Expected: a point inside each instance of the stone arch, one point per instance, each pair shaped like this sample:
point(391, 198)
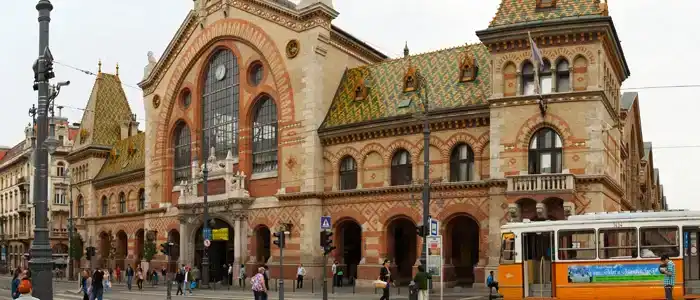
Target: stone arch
point(369, 148)
point(199, 220)
point(456, 139)
point(396, 146)
point(262, 243)
point(535, 122)
point(328, 155)
point(351, 246)
point(225, 29)
point(482, 141)
point(527, 208)
point(400, 228)
point(462, 247)
point(435, 141)
point(342, 153)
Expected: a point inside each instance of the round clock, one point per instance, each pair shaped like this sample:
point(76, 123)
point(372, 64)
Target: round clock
point(220, 72)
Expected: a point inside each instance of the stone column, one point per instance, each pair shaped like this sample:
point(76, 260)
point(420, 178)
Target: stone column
point(237, 242)
point(184, 243)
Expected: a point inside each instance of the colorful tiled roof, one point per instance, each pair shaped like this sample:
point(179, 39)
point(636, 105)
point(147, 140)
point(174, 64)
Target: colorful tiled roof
point(106, 109)
point(122, 161)
point(440, 70)
point(521, 11)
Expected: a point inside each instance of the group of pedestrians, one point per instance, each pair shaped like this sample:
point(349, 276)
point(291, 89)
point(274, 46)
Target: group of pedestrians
point(22, 284)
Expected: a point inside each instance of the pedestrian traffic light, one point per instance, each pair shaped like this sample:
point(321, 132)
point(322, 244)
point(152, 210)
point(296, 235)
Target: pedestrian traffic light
point(420, 230)
point(89, 252)
point(165, 248)
point(327, 242)
point(279, 239)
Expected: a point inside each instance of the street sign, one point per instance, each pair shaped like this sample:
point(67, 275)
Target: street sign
point(434, 227)
point(434, 244)
point(325, 222)
point(206, 232)
point(207, 243)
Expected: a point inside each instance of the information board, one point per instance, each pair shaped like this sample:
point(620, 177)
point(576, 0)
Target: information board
point(435, 255)
point(220, 234)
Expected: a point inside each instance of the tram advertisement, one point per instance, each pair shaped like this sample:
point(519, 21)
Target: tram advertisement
point(614, 273)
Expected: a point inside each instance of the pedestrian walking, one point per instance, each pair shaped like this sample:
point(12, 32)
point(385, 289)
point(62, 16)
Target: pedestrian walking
point(259, 285)
point(301, 272)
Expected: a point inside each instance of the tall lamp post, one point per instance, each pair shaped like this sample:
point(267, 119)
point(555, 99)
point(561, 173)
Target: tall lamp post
point(41, 263)
point(71, 276)
point(426, 170)
point(205, 223)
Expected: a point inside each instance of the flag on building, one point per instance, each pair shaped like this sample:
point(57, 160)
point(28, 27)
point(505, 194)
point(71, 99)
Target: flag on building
point(536, 54)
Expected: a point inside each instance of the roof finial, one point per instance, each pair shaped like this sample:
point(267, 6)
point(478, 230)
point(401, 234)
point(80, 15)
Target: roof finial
point(405, 50)
point(117, 69)
point(99, 66)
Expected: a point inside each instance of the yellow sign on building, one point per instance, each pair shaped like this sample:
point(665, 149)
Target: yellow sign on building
point(220, 234)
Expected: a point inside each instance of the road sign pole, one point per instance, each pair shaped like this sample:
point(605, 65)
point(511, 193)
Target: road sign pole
point(281, 295)
point(324, 274)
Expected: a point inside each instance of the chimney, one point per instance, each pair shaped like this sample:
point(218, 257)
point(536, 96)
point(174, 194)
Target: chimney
point(60, 108)
point(129, 127)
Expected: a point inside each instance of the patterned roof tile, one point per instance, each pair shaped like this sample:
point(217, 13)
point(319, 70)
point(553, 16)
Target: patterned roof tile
point(124, 162)
point(441, 73)
point(106, 109)
point(521, 11)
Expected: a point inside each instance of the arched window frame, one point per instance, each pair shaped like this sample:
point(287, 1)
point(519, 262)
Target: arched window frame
point(527, 79)
point(81, 206)
point(347, 172)
point(563, 76)
point(104, 207)
point(401, 168)
point(182, 158)
point(142, 200)
point(122, 203)
point(264, 137)
point(545, 76)
point(220, 104)
point(461, 163)
point(545, 153)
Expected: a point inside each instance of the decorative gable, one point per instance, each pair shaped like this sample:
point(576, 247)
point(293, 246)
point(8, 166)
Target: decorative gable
point(410, 79)
point(361, 89)
point(546, 3)
point(468, 67)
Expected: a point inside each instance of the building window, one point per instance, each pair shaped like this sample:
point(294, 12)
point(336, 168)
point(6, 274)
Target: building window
point(348, 173)
point(528, 79)
point(563, 76)
point(461, 163)
point(265, 136)
point(60, 169)
point(81, 206)
point(546, 78)
point(182, 170)
point(255, 74)
point(186, 98)
point(122, 203)
point(545, 155)
point(220, 104)
point(105, 205)
point(59, 196)
point(401, 168)
point(142, 199)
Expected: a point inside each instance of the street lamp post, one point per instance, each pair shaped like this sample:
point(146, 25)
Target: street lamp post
point(426, 173)
point(205, 223)
point(71, 276)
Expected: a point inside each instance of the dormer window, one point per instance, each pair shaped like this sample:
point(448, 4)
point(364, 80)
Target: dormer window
point(360, 90)
point(546, 3)
point(468, 69)
point(410, 82)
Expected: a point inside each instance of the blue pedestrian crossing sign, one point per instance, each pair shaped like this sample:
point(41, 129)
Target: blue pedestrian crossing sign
point(434, 227)
point(326, 222)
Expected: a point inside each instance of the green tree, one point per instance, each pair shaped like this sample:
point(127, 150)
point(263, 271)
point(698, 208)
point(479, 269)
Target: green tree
point(76, 247)
point(149, 250)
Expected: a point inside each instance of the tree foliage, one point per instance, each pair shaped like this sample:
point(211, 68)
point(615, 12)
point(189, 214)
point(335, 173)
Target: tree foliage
point(149, 250)
point(75, 249)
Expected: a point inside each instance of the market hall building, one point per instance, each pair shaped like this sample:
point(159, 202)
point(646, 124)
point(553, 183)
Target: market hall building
point(297, 119)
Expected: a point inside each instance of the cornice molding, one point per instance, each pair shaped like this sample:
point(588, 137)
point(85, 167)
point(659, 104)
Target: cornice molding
point(91, 151)
point(126, 214)
point(119, 179)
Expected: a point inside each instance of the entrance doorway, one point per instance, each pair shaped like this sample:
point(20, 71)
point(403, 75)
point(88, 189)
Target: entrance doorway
point(262, 244)
point(463, 233)
point(220, 252)
point(403, 245)
point(537, 264)
point(350, 234)
point(122, 245)
point(691, 260)
point(138, 250)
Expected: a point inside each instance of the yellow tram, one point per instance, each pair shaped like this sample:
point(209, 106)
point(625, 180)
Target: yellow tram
point(600, 256)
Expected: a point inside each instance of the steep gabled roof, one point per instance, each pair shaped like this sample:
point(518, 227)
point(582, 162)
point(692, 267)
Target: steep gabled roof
point(512, 12)
point(385, 81)
point(104, 113)
point(122, 161)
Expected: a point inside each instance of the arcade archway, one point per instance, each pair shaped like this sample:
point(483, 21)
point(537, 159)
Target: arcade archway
point(262, 244)
point(463, 250)
point(402, 248)
point(555, 209)
point(138, 247)
point(105, 248)
point(174, 237)
point(122, 249)
point(220, 252)
point(527, 208)
point(350, 246)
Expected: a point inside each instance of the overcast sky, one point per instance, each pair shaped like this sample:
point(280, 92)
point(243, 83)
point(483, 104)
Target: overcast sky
point(658, 38)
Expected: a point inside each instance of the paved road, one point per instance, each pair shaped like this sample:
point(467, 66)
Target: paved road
point(66, 291)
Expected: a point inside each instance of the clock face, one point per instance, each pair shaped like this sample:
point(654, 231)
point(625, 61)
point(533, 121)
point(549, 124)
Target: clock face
point(220, 72)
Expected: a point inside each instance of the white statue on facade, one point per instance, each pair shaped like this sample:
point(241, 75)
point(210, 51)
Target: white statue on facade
point(152, 61)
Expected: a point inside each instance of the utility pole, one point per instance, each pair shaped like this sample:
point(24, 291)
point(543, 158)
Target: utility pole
point(327, 245)
point(281, 242)
point(70, 227)
point(40, 263)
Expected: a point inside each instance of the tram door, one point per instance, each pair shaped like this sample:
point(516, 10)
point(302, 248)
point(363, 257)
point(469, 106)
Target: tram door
point(538, 250)
point(691, 260)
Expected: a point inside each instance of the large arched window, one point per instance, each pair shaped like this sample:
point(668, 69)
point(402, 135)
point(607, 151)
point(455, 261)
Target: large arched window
point(182, 170)
point(220, 104)
point(563, 76)
point(528, 79)
point(105, 206)
point(142, 199)
point(81, 206)
point(545, 76)
point(348, 173)
point(401, 168)
point(122, 203)
point(461, 163)
point(545, 155)
point(265, 136)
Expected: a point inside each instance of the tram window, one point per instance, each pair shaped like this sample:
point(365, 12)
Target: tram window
point(656, 241)
point(508, 248)
point(617, 243)
point(576, 244)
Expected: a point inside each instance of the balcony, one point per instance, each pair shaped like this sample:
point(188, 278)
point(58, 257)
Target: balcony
point(23, 208)
point(23, 235)
point(59, 234)
point(55, 207)
point(528, 184)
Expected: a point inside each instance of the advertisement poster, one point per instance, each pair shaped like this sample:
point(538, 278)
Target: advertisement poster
point(220, 234)
point(434, 254)
point(614, 273)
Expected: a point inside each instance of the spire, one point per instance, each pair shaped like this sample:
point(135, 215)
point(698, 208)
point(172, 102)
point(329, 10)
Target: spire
point(99, 66)
point(405, 50)
point(117, 72)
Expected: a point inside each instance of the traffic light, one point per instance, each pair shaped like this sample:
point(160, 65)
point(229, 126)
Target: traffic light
point(420, 230)
point(89, 252)
point(327, 242)
point(165, 248)
point(279, 239)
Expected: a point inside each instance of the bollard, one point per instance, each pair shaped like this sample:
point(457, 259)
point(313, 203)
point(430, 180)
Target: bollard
point(294, 285)
point(333, 286)
point(353, 288)
point(312, 285)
